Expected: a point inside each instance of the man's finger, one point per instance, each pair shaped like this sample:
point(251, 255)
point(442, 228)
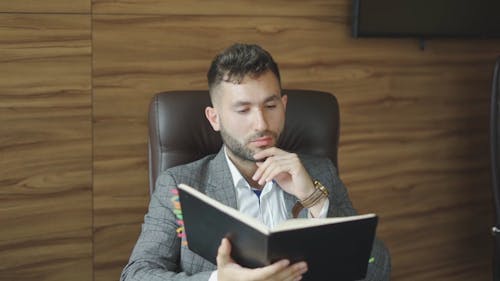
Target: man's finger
point(266, 272)
point(293, 272)
point(268, 152)
point(262, 167)
point(224, 253)
point(270, 173)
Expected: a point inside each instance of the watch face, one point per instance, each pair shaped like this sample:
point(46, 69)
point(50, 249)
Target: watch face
point(320, 186)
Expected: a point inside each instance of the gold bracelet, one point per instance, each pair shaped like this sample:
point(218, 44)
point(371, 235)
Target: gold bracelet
point(319, 193)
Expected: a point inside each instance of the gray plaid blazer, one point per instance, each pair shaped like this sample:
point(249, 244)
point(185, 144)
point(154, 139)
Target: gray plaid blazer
point(158, 254)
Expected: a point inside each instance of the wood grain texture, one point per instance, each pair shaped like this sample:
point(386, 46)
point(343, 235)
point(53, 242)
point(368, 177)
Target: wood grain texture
point(45, 148)
point(48, 6)
point(222, 8)
point(427, 155)
point(414, 145)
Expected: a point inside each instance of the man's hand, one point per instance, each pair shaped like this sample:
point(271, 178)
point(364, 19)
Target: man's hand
point(286, 169)
point(228, 270)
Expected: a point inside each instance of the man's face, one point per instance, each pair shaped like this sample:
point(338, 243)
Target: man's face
point(250, 115)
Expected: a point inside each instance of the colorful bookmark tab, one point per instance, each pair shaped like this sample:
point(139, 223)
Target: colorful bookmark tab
point(178, 214)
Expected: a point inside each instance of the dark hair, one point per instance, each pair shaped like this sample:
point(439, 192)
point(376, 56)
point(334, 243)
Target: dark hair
point(238, 61)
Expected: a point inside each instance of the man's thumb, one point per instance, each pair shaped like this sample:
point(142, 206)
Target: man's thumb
point(224, 253)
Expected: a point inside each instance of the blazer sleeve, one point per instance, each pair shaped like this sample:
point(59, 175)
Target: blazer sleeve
point(157, 253)
point(341, 205)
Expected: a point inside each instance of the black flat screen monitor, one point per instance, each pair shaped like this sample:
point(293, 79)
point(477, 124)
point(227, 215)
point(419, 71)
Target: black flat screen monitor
point(426, 18)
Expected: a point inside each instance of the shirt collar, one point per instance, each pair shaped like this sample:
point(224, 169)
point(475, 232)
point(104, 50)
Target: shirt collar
point(238, 179)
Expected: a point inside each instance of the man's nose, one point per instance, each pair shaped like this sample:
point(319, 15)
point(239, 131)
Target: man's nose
point(260, 121)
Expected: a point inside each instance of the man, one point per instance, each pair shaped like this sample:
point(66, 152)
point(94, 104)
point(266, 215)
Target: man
point(249, 173)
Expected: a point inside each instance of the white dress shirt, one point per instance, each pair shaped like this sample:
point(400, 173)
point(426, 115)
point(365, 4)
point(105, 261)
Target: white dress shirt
point(269, 209)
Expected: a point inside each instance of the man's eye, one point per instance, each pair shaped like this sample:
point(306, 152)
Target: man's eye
point(242, 110)
point(271, 106)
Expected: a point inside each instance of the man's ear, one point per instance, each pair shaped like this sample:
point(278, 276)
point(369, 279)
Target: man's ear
point(213, 117)
point(284, 100)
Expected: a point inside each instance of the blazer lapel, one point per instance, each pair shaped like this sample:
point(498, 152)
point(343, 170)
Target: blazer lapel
point(220, 183)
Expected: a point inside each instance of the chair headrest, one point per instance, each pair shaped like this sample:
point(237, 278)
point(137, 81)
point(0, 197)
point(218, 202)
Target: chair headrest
point(180, 133)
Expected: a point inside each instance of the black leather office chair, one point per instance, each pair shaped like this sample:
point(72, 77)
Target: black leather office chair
point(495, 166)
point(179, 132)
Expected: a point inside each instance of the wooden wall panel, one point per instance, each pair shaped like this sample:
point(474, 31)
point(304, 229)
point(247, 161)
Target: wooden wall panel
point(424, 159)
point(45, 148)
point(414, 123)
point(48, 6)
point(222, 8)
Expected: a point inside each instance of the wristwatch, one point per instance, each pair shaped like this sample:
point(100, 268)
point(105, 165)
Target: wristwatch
point(319, 193)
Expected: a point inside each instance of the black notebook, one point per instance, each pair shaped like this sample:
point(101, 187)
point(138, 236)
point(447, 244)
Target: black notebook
point(334, 248)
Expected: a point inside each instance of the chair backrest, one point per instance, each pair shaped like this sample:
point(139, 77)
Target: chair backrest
point(495, 164)
point(180, 133)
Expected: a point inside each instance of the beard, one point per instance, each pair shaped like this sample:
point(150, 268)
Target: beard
point(239, 149)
